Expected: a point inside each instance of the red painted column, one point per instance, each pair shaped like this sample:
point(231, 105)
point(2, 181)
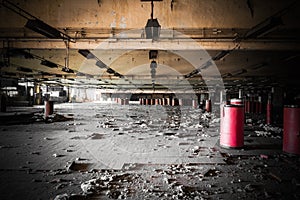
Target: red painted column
point(175, 102)
point(259, 105)
point(251, 105)
point(122, 101)
point(208, 105)
point(232, 126)
point(148, 101)
point(248, 106)
point(291, 129)
point(49, 107)
point(168, 101)
point(194, 103)
point(269, 112)
point(181, 102)
point(126, 101)
point(164, 101)
point(256, 107)
point(152, 101)
point(236, 101)
point(141, 101)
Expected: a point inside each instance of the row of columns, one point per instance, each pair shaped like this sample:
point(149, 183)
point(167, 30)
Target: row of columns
point(175, 102)
point(253, 105)
point(121, 101)
point(232, 125)
point(165, 101)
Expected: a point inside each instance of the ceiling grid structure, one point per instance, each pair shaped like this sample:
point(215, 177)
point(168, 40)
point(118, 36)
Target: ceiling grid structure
point(263, 33)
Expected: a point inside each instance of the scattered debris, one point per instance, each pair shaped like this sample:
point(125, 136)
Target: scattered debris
point(62, 197)
point(275, 177)
point(57, 155)
point(211, 173)
point(264, 156)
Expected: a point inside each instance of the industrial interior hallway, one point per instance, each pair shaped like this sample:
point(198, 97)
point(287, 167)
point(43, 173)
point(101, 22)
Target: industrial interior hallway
point(103, 150)
point(149, 99)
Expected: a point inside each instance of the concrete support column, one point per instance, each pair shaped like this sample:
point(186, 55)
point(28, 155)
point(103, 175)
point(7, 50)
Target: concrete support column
point(252, 104)
point(221, 97)
point(3, 103)
point(240, 94)
point(175, 102)
point(277, 105)
point(152, 101)
point(168, 101)
point(126, 101)
point(181, 102)
point(259, 105)
point(37, 94)
point(291, 129)
point(269, 112)
point(194, 103)
point(247, 105)
point(232, 126)
point(208, 105)
point(148, 101)
point(49, 108)
point(164, 103)
point(141, 101)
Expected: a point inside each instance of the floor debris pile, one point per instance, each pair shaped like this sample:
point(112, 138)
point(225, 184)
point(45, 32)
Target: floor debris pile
point(109, 151)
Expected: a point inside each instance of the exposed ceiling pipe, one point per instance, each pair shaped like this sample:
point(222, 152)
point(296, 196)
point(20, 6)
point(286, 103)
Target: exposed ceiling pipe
point(36, 24)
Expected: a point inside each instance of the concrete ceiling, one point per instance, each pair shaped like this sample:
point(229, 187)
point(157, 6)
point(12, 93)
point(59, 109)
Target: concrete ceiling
point(193, 32)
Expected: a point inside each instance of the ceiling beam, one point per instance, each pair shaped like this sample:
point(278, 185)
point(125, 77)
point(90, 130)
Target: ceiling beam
point(167, 44)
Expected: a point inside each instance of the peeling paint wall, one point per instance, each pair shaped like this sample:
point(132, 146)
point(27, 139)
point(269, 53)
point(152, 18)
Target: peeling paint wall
point(133, 14)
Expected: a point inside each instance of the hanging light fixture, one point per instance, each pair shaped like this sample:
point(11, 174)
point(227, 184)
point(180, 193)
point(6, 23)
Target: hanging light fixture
point(152, 27)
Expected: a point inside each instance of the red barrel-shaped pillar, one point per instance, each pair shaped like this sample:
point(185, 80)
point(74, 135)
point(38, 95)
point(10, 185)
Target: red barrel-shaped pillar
point(232, 126)
point(247, 106)
point(208, 105)
point(236, 101)
point(49, 107)
point(291, 129)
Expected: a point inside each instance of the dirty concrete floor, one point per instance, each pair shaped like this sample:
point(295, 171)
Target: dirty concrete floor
point(108, 151)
